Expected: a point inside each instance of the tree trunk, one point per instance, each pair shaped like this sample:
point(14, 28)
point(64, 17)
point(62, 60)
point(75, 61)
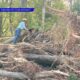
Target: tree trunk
point(46, 74)
point(48, 60)
point(10, 19)
point(23, 4)
point(43, 13)
point(17, 75)
point(0, 25)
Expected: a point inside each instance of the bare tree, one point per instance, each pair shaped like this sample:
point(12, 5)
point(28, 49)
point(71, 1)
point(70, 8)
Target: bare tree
point(43, 13)
point(0, 25)
point(10, 20)
point(23, 4)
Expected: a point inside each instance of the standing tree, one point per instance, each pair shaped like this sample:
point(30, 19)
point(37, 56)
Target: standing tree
point(10, 20)
point(23, 4)
point(76, 6)
point(43, 13)
point(0, 25)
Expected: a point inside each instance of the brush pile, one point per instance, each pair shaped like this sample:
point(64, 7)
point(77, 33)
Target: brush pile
point(37, 58)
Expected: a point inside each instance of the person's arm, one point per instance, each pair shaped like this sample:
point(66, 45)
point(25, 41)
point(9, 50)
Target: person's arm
point(24, 26)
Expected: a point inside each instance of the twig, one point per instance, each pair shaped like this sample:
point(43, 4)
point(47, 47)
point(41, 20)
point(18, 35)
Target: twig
point(76, 71)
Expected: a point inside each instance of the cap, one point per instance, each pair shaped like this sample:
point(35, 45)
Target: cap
point(24, 19)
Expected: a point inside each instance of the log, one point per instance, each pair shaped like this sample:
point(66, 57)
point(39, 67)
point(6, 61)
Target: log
point(17, 75)
point(5, 48)
point(51, 73)
point(48, 60)
point(2, 39)
point(45, 60)
point(2, 54)
point(8, 41)
point(29, 48)
point(56, 11)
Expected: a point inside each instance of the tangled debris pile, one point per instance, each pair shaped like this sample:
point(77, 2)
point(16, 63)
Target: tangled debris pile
point(37, 59)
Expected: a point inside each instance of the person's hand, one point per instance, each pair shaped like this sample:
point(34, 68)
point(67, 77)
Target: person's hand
point(30, 30)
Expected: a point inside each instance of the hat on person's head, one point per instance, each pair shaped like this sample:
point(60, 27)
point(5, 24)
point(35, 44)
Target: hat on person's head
point(24, 19)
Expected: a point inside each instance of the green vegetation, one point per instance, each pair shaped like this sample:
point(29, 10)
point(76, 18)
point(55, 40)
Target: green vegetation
point(73, 77)
point(76, 6)
point(34, 18)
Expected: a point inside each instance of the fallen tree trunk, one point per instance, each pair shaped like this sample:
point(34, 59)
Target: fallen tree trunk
point(45, 60)
point(9, 40)
point(29, 48)
point(17, 75)
point(48, 60)
point(51, 73)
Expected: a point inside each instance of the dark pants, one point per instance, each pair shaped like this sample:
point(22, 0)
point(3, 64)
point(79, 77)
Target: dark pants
point(17, 35)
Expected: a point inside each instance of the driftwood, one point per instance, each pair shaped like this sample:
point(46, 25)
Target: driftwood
point(17, 75)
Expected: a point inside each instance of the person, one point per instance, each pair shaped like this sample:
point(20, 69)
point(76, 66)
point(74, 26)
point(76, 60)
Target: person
point(21, 26)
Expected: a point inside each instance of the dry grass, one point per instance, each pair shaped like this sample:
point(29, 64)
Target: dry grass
point(58, 33)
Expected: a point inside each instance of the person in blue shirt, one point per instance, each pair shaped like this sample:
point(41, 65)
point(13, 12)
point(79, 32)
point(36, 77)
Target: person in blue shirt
point(21, 26)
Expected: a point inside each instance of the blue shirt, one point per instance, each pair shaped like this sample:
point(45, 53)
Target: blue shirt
point(22, 25)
